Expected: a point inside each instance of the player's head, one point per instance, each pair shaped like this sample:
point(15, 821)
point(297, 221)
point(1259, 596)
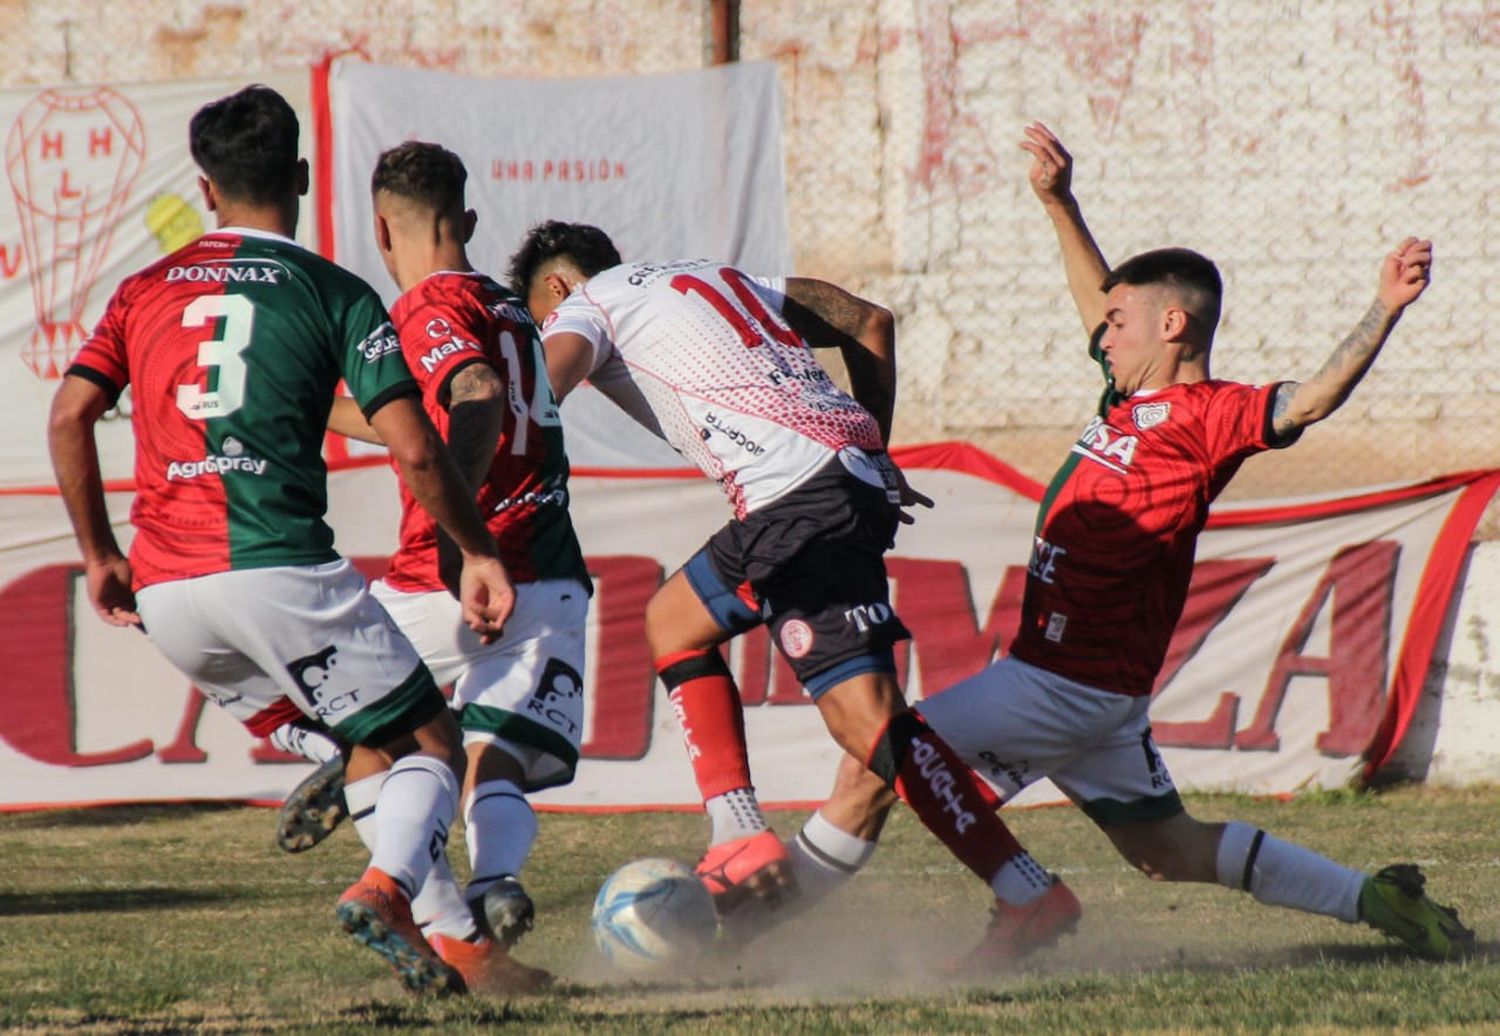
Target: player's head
point(246, 145)
point(418, 194)
point(556, 257)
point(1161, 309)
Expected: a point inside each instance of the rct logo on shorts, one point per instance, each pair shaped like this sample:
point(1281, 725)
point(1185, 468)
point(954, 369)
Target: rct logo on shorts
point(311, 674)
point(557, 695)
point(796, 638)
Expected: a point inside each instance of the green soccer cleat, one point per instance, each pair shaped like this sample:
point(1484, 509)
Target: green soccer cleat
point(1393, 902)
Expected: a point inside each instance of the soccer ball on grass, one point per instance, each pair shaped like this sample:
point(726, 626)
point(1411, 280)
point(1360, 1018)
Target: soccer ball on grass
point(651, 913)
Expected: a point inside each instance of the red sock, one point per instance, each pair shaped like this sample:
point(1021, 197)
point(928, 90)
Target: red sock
point(944, 793)
point(707, 706)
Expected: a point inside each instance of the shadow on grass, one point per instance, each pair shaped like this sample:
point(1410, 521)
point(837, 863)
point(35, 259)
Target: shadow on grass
point(1344, 953)
point(108, 901)
point(112, 816)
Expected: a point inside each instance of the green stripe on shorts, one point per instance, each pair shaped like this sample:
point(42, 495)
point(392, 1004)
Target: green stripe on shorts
point(1105, 812)
point(523, 731)
point(413, 702)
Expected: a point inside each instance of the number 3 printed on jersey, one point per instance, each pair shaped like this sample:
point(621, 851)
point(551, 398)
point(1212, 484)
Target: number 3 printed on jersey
point(220, 355)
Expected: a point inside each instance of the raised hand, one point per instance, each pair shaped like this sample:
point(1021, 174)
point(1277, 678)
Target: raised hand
point(1051, 173)
point(1405, 274)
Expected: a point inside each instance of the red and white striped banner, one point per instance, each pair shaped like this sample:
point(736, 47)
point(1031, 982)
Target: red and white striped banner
point(1301, 654)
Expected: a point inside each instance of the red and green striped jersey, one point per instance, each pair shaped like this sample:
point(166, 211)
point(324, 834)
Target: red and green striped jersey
point(446, 322)
point(232, 348)
point(1118, 527)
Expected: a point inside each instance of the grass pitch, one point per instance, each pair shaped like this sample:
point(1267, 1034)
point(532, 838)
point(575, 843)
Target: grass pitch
point(186, 918)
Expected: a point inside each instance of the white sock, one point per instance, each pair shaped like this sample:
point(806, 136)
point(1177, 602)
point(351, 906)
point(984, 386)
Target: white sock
point(824, 857)
point(1282, 874)
point(309, 744)
point(413, 815)
point(735, 814)
point(360, 797)
point(439, 907)
point(1020, 880)
point(500, 829)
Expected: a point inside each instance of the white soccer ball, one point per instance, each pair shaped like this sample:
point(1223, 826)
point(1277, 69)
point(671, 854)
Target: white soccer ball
point(653, 912)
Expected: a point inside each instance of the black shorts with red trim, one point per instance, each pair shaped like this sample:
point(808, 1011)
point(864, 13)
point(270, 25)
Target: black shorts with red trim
point(811, 567)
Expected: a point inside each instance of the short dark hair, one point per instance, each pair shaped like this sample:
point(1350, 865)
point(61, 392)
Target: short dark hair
point(587, 247)
point(1193, 275)
point(246, 144)
point(428, 174)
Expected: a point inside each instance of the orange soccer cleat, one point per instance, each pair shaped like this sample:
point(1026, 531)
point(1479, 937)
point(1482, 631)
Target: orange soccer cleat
point(1018, 931)
point(376, 912)
point(487, 968)
point(756, 866)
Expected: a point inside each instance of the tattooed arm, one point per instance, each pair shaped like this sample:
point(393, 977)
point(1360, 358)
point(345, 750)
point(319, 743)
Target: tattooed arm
point(1403, 277)
point(865, 334)
point(476, 414)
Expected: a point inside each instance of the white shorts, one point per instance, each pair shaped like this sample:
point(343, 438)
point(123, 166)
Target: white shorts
point(260, 640)
point(1015, 724)
point(524, 692)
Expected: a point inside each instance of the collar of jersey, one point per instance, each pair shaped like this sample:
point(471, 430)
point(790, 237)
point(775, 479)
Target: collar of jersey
point(268, 235)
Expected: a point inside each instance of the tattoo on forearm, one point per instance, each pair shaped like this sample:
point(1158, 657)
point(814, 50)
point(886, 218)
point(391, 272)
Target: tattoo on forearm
point(1282, 403)
point(1358, 347)
point(474, 421)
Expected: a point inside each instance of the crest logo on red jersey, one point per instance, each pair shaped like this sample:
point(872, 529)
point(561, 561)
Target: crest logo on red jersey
point(1149, 415)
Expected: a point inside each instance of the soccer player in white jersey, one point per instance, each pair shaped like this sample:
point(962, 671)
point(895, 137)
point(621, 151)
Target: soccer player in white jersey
point(716, 362)
point(1108, 578)
point(233, 346)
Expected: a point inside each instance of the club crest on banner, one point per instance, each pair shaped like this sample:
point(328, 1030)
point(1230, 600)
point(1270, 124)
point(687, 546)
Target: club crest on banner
point(72, 156)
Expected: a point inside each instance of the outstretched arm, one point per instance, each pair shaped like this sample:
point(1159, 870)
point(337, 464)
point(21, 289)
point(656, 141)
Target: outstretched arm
point(1404, 275)
point(1051, 178)
point(826, 315)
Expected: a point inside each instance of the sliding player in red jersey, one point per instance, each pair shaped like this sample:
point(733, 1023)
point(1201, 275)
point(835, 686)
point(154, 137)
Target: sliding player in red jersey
point(473, 349)
point(232, 347)
point(1106, 583)
point(718, 363)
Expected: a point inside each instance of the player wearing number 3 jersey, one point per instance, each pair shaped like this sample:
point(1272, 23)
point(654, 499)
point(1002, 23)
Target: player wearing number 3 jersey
point(232, 347)
point(718, 363)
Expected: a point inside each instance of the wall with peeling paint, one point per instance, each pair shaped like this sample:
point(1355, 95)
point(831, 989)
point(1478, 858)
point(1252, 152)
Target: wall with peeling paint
point(1293, 141)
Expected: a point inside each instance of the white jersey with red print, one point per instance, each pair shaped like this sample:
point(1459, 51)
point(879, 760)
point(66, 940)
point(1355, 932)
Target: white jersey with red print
point(698, 353)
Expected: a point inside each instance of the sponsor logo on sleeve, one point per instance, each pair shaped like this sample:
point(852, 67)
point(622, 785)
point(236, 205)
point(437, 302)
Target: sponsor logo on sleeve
point(379, 343)
point(438, 353)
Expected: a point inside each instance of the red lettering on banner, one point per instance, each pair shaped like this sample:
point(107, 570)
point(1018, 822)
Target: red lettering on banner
point(9, 269)
point(1215, 589)
point(933, 599)
point(52, 144)
point(36, 650)
point(184, 747)
point(66, 188)
point(624, 678)
point(101, 141)
point(1361, 581)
